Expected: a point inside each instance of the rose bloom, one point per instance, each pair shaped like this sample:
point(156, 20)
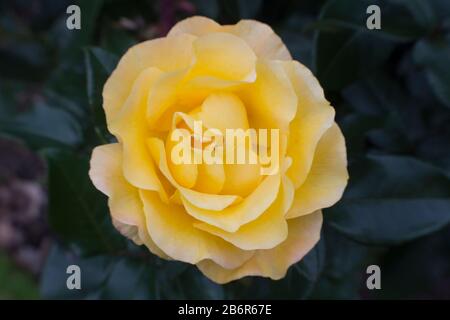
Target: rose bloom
point(228, 219)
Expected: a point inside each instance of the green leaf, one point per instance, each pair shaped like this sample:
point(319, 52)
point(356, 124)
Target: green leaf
point(341, 55)
point(344, 272)
point(392, 199)
point(33, 126)
point(116, 41)
point(68, 78)
point(99, 65)
point(77, 211)
point(301, 277)
point(355, 128)
point(298, 283)
point(130, 278)
point(118, 276)
point(434, 57)
point(417, 270)
point(312, 264)
point(94, 273)
point(125, 275)
point(70, 42)
point(391, 120)
point(346, 50)
point(300, 44)
point(401, 20)
point(178, 280)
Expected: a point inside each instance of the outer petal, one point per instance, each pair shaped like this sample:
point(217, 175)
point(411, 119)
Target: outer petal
point(328, 177)
point(289, 191)
point(196, 26)
point(166, 54)
point(125, 205)
point(131, 129)
point(313, 118)
point(172, 230)
point(261, 38)
point(304, 232)
point(224, 56)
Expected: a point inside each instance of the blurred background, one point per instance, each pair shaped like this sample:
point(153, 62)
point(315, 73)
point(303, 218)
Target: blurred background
point(391, 91)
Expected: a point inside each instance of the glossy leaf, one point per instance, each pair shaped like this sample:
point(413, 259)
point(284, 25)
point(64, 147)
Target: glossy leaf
point(391, 200)
point(78, 212)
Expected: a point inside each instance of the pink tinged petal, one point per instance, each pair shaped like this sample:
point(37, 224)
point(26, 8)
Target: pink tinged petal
point(123, 199)
point(261, 38)
point(304, 233)
point(196, 26)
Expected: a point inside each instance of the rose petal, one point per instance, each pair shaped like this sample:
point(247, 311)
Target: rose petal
point(304, 233)
point(131, 129)
point(123, 199)
point(224, 56)
point(266, 232)
point(313, 118)
point(164, 54)
point(327, 178)
point(211, 178)
point(223, 111)
point(233, 217)
point(261, 38)
point(195, 25)
point(185, 174)
point(203, 200)
point(271, 100)
point(171, 229)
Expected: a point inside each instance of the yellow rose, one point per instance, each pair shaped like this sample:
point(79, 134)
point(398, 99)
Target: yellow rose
point(231, 220)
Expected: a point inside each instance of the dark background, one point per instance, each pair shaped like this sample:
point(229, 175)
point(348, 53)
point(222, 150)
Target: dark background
point(391, 92)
